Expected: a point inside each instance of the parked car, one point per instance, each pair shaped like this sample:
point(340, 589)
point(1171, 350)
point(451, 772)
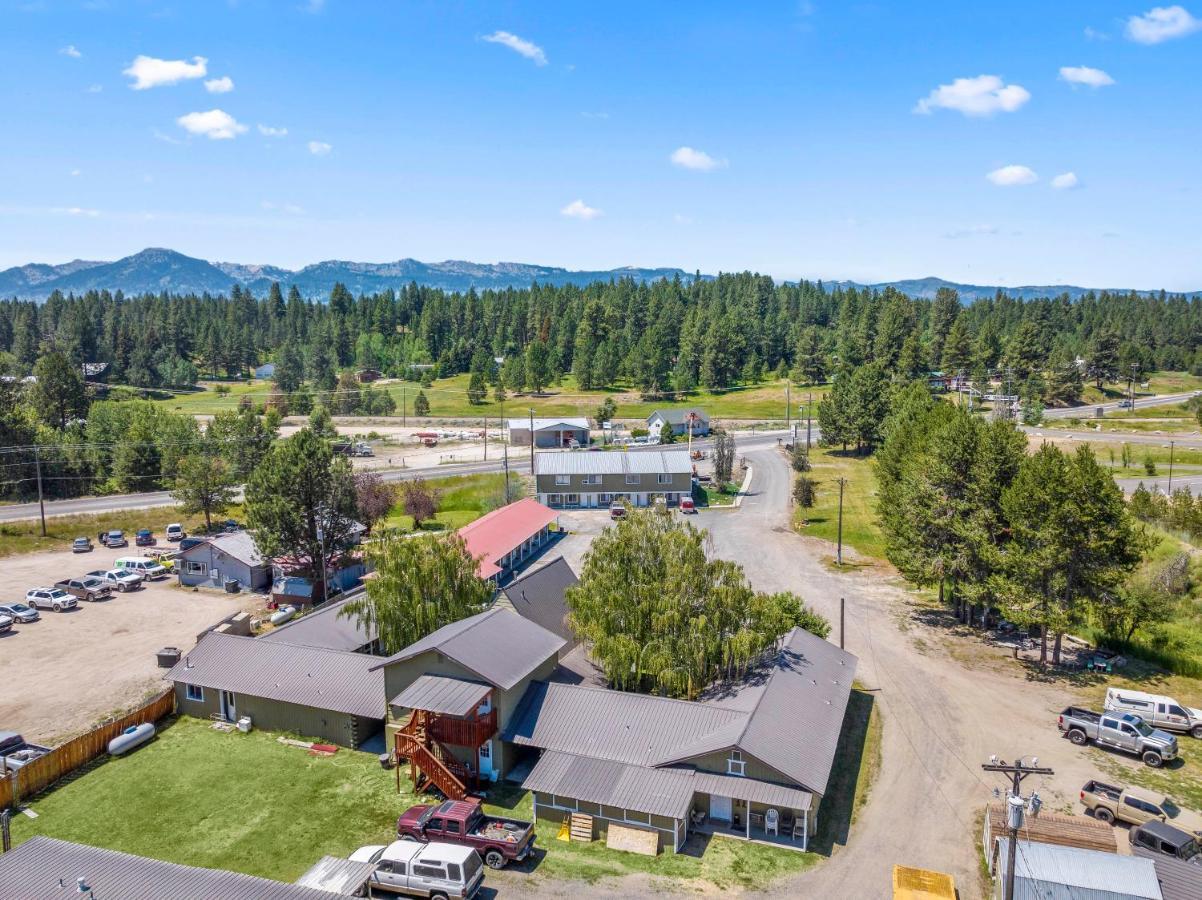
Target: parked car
point(20, 613)
point(120, 579)
point(114, 538)
point(50, 598)
point(687, 506)
point(1162, 838)
point(144, 538)
point(145, 567)
point(189, 542)
point(1135, 806)
point(1122, 731)
point(617, 510)
point(175, 532)
point(6, 623)
point(15, 751)
point(424, 870)
point(81, 545)
point(1157, 710)
point(463, 822)
point(88, 588)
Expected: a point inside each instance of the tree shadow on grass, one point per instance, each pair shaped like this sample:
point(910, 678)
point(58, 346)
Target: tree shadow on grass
point(839, 804)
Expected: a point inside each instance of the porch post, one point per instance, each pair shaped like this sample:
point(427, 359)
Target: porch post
point(747, 805)
point(535, 807)
point(805, 829)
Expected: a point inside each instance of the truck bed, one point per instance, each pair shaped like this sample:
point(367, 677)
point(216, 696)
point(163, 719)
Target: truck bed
point(1109, 791)
point(1082, 714)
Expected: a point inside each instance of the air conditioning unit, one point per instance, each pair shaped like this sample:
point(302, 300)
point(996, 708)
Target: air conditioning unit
point(245, 724)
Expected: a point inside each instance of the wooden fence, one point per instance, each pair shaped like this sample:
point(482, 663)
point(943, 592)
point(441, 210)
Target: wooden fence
point(66, 758)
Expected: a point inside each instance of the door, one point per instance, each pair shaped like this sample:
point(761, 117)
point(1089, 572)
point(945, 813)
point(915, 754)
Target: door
point(720, 808)
point(227, 706)
point(485, 757)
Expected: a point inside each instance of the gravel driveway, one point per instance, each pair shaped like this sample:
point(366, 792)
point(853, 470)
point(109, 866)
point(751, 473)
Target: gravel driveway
point(59, 675)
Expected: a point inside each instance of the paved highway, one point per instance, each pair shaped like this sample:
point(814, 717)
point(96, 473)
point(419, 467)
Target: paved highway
point(153, 499)
point(1082, 412)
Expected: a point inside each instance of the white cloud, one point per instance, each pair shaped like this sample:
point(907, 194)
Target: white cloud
point(1092, 34)
point(95, 88)
point(697, 160)
point(319, 148)
point(75, 211)
point(222, 85)
point(270, 131)
point(682, 220)
point(1163, 23)
point(216, 124)
point(1009, 176)
point(595, 115)
point(148, 72)
point(983, 95)
point(526, 48)
point(1066, 181)
point(75, 173)
point(1094, 78)
point(577, 209)
point(972, 231)
point(71, 50)
point(314, 6)
point(291, 208)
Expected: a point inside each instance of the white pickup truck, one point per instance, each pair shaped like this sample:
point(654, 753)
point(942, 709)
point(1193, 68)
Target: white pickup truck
point(437, 870)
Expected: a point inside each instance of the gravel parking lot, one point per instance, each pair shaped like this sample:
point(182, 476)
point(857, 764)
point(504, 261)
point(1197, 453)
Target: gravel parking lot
point(61, 674)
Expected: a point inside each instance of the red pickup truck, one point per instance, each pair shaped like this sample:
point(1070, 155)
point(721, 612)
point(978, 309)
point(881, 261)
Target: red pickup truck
point(463, 822)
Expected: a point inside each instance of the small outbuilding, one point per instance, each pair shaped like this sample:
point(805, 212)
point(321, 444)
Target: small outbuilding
point(265, 371)
point(549, 432)
point(1049, 872)
point(224, 557)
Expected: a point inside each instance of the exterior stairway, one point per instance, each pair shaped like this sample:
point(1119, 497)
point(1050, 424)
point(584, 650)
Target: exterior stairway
point(430, 763)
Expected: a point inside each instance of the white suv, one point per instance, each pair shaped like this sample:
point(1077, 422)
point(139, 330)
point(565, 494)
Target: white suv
point(175, 532)
point(50, 598)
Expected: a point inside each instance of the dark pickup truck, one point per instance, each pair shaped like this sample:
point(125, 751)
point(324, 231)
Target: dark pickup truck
point(15, 752)
point(463, 822)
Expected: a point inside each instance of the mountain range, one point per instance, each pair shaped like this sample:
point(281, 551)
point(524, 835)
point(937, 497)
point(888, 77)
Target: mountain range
point(155, 270)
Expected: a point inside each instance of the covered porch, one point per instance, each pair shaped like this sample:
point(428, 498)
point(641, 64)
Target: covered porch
point(753, 810)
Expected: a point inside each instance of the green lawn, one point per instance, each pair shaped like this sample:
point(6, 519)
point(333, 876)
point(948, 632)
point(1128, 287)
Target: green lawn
point(463, 499)
point(248, 803)
point(861, 530)
point(711, 495)
point(448, 399)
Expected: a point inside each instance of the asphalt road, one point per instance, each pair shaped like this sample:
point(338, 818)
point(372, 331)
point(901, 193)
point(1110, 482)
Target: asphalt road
point(93, 505)
point(1110, 437)
point(1140, 403)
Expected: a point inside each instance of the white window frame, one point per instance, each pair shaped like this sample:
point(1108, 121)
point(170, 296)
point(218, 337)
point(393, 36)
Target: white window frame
point(191, 567)
point(563, 479)
point(634, 478)
point(195, 693)
point(736, 764)
point(592, 479)
point(665, 478)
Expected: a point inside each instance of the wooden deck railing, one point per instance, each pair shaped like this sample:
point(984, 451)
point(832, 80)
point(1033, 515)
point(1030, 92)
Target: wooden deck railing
point(77, 752)
point(435, 765)
point(464, 732)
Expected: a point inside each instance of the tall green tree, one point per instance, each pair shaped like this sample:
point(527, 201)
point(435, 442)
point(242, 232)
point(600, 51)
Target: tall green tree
point(204, 483)
point(59, 393)
point(1102, 363)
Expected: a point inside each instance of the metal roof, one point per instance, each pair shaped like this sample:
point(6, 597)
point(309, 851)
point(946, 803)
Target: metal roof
point(1179, 880)
point(503, 530)
point(632, 728)
point(237, 544)
point(307, 676)
point(753, 790)
point(660, 792)
point(540, 596)
point(1085, 870)
point(613, 462)
point(542, 424)
point(45, 868)
point(678, 416)
point(1054, 828)
point(337, 875)
point(326, 628)
point(498, 645)
point(440, 694)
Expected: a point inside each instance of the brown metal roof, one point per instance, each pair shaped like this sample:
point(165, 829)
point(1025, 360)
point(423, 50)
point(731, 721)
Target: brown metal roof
point(539, 595)
point(753, 790)
point(659, 792)
point(440, 694)
point(324, 627)
point(1055, 828)
point(45, 868)
point(499, 645)
point(1179, 880)
point(307, 676)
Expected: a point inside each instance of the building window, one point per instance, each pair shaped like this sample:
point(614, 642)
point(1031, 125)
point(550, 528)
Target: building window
point(195, 568)
point(196, 692)
point(563, 479)
point(633, 479)
point(665, 479)
point(592, 479)
point(735, 764)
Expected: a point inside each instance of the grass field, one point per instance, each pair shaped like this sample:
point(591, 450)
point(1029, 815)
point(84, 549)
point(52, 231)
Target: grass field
point(462, 499)
point(712, 496)
point(1158, 383)
point(250, 804)
point(860, 528)
point(448, 399)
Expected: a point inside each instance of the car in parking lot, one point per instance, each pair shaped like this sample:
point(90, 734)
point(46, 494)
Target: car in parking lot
point(1160, 837)
point(145, 567)
point(119, 579)
point(87, 588)
point(19, 613)
point(50, 598)
point(81, 545)
point(144, 538)
point(617, 510)
point(6, 623)
point(114, 538)
point(175, 532)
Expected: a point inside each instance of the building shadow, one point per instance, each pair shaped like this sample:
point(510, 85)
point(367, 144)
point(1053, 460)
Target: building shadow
point(839, 804)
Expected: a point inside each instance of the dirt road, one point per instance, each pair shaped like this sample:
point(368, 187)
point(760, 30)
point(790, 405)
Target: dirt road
point(58, 676)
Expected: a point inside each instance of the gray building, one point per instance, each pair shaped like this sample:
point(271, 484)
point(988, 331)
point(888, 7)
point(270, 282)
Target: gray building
point(333, 695)
point(46, 868)
point(751, 759)
point(1049, 872)
point(224, 556)
point(549, 432)
point(565, 479)
point(681, 421)
point(540, 596)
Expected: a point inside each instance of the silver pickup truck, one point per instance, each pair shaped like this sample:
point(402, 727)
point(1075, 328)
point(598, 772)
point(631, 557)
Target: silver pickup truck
point(1122, 731)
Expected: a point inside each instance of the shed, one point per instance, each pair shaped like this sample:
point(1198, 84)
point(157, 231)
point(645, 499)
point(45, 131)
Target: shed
point(1049, 872)
point(232, 555)
point(1048, 828)
point(549, 432)
point(267, 370)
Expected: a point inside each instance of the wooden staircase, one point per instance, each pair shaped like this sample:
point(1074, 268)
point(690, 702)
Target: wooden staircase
point(431, 765)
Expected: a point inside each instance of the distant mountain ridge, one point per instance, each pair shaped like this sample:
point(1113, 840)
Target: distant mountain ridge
point(156, 269)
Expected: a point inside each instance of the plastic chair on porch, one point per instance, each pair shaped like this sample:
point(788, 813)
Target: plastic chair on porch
point(772, 822)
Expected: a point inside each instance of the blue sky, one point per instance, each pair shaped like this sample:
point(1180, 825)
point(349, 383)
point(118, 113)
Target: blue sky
point(796, 139)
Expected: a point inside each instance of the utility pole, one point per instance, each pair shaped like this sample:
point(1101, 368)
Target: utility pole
point(37, 461)
point(404, 392)
point(1171, 445)
point(788, 404)
point(486, 438)
point(842, 619)
point(1015, 806)
point(809, 417)
point(506, 445)
point(532, 441)
point(839, 550)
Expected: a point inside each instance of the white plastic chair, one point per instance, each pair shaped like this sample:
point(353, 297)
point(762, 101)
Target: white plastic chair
point(772, 822)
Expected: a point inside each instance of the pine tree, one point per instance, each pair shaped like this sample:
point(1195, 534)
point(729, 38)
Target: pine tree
point(421, 405)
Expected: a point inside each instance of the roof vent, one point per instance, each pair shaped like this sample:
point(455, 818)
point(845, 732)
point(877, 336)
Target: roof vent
point(81, 886)
point(827, 702)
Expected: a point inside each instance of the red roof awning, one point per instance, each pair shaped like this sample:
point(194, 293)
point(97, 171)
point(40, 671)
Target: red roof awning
point(503, 530)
